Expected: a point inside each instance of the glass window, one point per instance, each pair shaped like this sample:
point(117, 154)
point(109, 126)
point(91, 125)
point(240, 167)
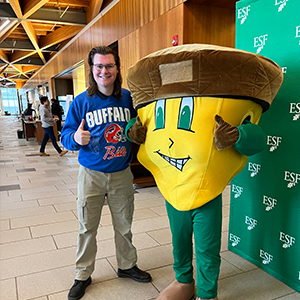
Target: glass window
point(10, 100)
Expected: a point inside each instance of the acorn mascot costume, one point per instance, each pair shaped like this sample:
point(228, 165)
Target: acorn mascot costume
point(198, 107)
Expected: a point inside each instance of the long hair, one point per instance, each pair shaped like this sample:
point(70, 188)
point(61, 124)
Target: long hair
point(93, 87)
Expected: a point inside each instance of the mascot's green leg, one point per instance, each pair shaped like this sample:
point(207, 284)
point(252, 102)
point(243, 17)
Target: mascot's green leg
point(178, 291)
point(207, 234)
point(205, 222)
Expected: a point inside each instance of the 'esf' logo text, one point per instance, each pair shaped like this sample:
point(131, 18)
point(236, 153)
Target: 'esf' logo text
point(274, 142)
point(234, 239)
point(253, 168)
point(236, 190)
point(267, 258)
point(295, 109)
point(250, 222)
point(269, 202)
point(292, 178)
point(259, 42)
point(286, 239)
point(243, 13)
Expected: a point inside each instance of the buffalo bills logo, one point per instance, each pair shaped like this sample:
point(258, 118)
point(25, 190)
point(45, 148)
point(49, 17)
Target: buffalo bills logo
point(112, 133)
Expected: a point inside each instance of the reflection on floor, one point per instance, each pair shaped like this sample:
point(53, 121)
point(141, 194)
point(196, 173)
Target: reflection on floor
point(38, 223)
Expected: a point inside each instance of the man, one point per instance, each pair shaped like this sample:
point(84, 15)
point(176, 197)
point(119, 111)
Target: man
point(95, 125)
point(47, 124)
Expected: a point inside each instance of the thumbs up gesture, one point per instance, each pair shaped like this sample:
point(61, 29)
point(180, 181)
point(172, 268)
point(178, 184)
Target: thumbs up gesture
point(81, 136)
point(225, 135)
point(137, 133)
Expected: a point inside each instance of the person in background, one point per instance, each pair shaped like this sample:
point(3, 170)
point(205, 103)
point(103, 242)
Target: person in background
point(95, 125)
point(28, 111)
point(47, 124)
point(57, 110)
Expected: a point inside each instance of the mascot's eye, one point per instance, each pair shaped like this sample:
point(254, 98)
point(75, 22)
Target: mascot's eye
point(186, 113)
point(160, 114)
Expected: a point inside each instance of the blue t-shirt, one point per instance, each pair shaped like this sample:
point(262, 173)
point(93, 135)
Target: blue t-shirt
point(105, 118)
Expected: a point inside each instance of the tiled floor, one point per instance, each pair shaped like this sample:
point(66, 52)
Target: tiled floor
point(39, 225)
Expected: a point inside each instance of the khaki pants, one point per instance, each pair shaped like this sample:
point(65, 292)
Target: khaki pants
point(93, 187)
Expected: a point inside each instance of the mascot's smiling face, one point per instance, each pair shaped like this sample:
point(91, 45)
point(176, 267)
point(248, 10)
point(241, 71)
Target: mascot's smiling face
point(185, 117)
point(179, 149)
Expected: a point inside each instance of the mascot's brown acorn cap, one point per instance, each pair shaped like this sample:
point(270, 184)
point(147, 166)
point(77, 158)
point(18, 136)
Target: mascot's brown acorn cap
point(204, 70)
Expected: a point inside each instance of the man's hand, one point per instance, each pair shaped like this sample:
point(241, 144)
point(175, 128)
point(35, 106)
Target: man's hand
point(137, 132)
point(225, 135)
point(81, 136)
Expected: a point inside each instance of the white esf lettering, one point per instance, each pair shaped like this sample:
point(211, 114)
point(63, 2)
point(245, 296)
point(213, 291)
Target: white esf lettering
point(237, 190)
point(112, 152)
point(234, 239)
point(286, 239)
point(284, 69)
point(270, 202)
point(260, 40)
point(267, 258)
point(297, 31)
point(250, 222)
point(292, 178)
point(253, 168)
point(109, 114)
point(243, 13)
point(295, 108)
point(273, 141)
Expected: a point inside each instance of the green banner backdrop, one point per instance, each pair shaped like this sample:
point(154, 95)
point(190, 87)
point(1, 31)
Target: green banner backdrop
point(265, 197)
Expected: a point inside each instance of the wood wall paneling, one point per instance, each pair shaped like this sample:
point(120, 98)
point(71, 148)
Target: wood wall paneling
point(129, 53)
point(155, 8)
point(151, 37)
point(209, 25)
point(158, 34)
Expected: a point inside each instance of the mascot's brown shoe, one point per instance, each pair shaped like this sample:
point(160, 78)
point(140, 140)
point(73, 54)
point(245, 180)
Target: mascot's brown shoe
point(177, 291)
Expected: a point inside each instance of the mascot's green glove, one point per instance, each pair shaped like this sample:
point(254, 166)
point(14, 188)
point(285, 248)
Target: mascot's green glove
point(225, 135)
point(137, 132)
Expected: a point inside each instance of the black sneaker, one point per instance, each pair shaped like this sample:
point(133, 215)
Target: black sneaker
point(136, 274)
point(78, 289)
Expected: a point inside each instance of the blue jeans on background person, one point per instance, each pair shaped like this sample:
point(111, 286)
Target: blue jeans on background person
point(49, 133)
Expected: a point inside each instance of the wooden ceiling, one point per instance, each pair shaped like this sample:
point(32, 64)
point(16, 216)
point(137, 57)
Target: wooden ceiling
point(34, 31)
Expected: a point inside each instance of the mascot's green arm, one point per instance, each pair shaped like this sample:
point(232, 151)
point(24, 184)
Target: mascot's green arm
point(128, 126)
point(251, 140)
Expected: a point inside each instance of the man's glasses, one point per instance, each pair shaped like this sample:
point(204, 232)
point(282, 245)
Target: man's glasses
point(100, 67)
